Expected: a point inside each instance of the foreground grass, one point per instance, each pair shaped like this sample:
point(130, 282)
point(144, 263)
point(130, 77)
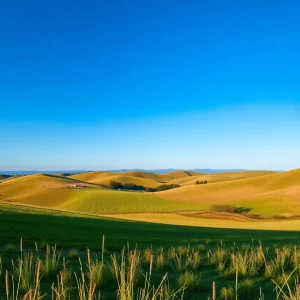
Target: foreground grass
point(202, 261)
point(202, 271)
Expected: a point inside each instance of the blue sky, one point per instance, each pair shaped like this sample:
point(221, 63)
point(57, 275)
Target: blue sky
point(149, 84)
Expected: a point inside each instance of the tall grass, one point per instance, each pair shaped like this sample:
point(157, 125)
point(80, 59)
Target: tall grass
point(126, 272)
point(135, 274)
point(51, 264)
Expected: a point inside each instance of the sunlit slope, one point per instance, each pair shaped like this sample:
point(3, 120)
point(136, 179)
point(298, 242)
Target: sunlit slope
point(40, 178)
point(57, 192)
point(166, 177)
point(152, 180)
point(276, 193)
point(220, 177)
point(92, 176)
point(100, 201)
point(112, 202)
point(38, 189)
point(268, 195)
point(147, 179)
point(106, 177)
point(178, 219)
point(178, 175)
point(129, 179)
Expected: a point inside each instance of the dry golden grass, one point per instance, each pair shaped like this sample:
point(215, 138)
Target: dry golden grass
point(149, 179)
point(220, 177)
point(166, 177)
point(91, 176)
point(180, 219)
point(269, 194)
point(129, 179)
point(265, 193)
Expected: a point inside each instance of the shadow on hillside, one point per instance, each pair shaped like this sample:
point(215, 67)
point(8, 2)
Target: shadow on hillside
point(69, 179)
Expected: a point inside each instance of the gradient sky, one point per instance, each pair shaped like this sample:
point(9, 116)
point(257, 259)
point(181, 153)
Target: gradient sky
point(149, 84)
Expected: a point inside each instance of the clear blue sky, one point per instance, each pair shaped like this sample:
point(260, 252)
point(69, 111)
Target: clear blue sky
point(149, 84)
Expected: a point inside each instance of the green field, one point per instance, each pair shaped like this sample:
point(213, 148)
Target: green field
point(81, 231)
point(75, 231)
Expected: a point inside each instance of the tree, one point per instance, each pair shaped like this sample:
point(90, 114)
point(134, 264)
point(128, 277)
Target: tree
point(115, 185)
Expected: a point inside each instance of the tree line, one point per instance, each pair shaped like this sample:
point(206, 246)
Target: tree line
point(201, 182)
point(115, 185)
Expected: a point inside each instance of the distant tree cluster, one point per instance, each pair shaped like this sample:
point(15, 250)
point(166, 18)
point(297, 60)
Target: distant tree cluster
point(165, 187)
point(135, 187)
point(128, 186)
point(115, 185)
point(66, 174)
point(201, 182)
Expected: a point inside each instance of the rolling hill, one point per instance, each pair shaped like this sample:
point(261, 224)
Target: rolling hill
point(56, 192)
point(261, 192)
point(276, 193)
point(220, 177)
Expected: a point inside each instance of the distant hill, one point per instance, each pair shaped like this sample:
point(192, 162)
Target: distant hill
point(265, 193)
point(156, 171)
point(83, 192)
point(31, 172)
point(163, 171)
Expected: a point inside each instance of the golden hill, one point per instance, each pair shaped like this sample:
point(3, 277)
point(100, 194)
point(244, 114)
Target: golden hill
point(220, 177)
point(256, 190)
point(59, 193)
point(38, 178)
point(269, 194)
point(37, 189)
point(129, 179)
point(126, 177)
point(135, 176)
point(161, 177)
point(91, 176)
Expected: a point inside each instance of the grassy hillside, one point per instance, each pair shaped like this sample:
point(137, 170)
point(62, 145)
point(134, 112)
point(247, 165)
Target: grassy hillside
point(112, 202)
point(129, 179)
point(181, 252)
point(91, 176)
point(152, 180)
point(79, 231)
point(55, 192)
point(212, 221)
point(267, 195)
point(161, 177)
point(220, 177)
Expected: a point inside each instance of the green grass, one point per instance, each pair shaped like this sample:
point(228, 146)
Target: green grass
point(74, 231)
point(81, 231)
point(113, 202)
